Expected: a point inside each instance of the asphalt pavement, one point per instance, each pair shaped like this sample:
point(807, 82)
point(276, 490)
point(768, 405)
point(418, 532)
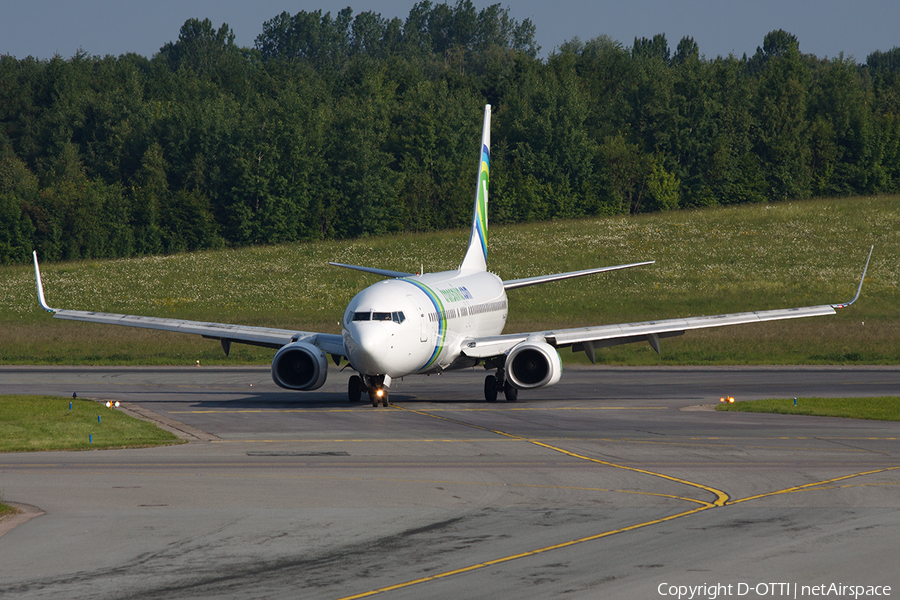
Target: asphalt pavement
point(616, 483)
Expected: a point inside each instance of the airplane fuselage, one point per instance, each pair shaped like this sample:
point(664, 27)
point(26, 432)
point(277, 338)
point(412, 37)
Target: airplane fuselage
point(419, 324)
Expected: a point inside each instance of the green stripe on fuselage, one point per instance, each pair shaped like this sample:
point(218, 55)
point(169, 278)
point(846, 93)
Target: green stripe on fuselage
point(442, 326)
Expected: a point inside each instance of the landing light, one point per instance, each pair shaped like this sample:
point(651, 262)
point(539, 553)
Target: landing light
point(379, 393)
point(726, 399)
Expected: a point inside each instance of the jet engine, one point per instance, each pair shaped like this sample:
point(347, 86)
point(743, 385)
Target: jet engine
point(533, 364)
point(299, 366)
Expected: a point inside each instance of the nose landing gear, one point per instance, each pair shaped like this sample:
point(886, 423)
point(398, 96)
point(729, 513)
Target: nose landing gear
point(379, 394)
point(375, 388)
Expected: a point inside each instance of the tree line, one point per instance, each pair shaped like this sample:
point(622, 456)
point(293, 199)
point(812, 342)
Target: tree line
point(347, 125)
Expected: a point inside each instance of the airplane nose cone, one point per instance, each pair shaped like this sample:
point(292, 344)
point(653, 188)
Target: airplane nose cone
point(368, 347)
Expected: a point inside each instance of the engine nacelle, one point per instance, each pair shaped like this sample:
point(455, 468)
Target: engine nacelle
point(299, 366)
point(533, 364)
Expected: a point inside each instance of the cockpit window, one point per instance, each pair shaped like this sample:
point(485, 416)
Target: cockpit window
point(396, 316)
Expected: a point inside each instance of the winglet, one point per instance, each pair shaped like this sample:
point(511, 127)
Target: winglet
point(40, 286)
point(476, 255)
point(861, 279)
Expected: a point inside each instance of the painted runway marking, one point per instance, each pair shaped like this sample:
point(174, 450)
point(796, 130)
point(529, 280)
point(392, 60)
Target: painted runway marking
point(505, 559)
point(722, 500)
point(815, 485)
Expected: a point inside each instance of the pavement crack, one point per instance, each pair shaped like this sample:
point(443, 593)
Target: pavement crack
point(851, 446)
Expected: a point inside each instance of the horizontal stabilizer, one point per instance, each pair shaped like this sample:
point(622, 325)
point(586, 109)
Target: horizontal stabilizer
point(383, 272)
point(512, 284)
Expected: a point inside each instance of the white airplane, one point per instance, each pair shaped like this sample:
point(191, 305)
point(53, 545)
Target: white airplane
point(430, 323)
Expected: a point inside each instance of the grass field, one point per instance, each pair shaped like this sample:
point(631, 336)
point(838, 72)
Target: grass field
point(881, 409)
point(6, 509)
point(710, 261)
point(35, 423)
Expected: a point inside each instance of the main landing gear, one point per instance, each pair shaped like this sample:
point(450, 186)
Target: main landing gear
point(494, 384)
point(376, 390)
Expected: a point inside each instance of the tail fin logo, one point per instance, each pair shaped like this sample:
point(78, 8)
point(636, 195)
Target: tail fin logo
point(476, 255)
point(482, 203)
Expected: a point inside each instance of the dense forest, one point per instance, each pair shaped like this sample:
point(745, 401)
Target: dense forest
point(346, 125)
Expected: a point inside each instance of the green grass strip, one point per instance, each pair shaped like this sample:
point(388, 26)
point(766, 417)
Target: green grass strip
point(36, 423)
point(886, 408)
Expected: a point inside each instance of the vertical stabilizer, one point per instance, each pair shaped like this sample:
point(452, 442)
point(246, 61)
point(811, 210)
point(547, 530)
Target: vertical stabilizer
point(476, 255)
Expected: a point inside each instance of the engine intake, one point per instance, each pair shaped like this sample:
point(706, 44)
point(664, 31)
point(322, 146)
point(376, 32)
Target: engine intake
point(533, 364)
point(299, 366)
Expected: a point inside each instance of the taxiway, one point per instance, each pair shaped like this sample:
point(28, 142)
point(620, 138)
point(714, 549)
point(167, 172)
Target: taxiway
point(609, 484)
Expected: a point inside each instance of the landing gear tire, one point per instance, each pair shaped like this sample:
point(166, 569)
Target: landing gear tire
point(490, 388)
point(385, 401)
point(511, 393)
point(354, 389)
point(373, 397)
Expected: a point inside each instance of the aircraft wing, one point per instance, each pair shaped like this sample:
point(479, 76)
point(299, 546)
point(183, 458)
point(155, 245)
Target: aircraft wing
point(604, 336)
point(588, 339)
point(225, 333)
